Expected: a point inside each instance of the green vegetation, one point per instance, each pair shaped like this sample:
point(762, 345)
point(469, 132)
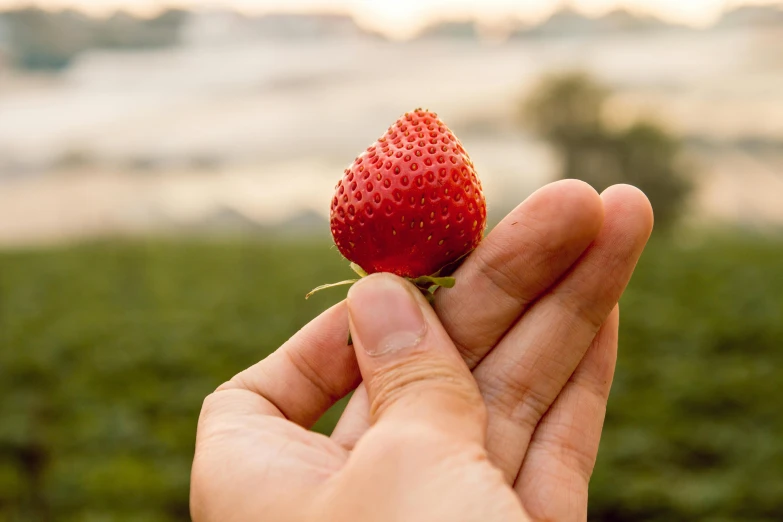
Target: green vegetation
point(107, 349)
point(569, 110)
point(694, 424)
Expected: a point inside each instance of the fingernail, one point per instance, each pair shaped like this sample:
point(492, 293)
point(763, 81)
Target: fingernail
point(385, 315)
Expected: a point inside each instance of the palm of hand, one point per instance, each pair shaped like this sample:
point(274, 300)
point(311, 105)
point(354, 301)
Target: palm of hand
point(285, 472)
point(534, 318)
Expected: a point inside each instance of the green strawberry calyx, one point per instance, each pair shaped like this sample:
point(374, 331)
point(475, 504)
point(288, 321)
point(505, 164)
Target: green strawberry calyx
point(427, 284)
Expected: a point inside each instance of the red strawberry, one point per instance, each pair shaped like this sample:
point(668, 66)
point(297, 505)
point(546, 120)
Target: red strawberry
point(411, 203)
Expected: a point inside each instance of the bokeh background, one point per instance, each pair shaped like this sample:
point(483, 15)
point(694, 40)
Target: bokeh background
point(165, 173)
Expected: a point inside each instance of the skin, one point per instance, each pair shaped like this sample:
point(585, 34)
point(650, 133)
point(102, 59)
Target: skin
point(488, 407)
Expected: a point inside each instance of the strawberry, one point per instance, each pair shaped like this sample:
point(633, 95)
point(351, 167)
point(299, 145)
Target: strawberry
point(411, 203)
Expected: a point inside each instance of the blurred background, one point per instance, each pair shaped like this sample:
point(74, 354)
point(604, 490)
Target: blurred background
point(165, 176)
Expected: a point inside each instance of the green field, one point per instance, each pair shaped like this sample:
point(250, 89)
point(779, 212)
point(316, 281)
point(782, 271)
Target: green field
point(107, 349)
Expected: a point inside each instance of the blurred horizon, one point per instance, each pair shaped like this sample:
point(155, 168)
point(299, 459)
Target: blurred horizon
point(405, 18)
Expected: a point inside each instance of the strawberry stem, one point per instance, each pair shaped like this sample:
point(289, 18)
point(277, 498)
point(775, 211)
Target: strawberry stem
point(331, 285)
point(359, 270)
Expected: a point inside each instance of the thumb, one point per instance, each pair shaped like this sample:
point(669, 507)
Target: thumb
point(411, 369)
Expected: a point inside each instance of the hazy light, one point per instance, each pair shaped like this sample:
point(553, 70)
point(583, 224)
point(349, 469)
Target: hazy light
point(404, 18)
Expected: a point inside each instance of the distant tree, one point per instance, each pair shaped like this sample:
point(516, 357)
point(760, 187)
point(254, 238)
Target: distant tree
point(125, 31)
point(39, 39)
point(568, 110)
point(50, 40)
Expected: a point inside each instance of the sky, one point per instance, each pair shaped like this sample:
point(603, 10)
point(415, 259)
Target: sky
point(408, 16)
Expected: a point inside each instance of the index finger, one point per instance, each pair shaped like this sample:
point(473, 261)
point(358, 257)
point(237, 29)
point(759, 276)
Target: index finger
point(528, 252)
point(308, 374)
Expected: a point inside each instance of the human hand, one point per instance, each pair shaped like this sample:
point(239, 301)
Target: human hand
point(525, 315)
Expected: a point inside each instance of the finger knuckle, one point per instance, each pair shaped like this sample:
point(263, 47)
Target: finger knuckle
point(515, 398)
point(422, 373)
